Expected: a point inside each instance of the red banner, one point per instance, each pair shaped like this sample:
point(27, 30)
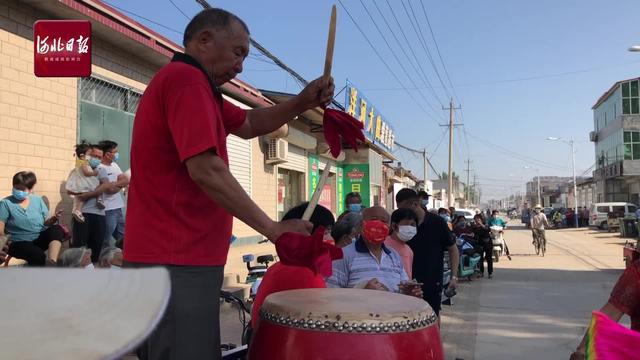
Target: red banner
point(62, 48)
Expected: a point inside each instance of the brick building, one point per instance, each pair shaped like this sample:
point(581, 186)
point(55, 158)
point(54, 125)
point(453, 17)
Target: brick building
point(41, 119)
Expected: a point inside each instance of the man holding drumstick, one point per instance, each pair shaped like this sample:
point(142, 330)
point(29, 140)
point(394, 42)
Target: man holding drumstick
point(183, 196)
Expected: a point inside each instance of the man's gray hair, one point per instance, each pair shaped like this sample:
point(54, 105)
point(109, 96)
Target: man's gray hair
point(106, 255)
point(210, 18)
point(345, 225)
point(72, 257)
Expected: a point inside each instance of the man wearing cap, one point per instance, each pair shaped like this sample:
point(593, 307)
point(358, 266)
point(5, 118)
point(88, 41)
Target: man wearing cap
point(538, 224)
point(183, 197)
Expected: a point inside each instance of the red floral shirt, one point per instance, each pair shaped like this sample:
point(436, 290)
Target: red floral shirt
point(626, 294)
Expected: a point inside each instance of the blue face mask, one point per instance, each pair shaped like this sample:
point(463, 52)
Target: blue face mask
point(116, 157)
point(19, 195)
point(93, 162)
point(355, 208)
point(446, 218)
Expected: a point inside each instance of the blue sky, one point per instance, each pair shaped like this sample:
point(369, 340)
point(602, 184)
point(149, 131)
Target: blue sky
point(523, 71)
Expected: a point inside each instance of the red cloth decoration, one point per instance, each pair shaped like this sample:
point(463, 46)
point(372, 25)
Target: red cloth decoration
point(308, 251)
point(338, 124)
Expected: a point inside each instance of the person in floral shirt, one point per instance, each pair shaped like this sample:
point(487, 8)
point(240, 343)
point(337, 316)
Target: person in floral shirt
point(624, 299)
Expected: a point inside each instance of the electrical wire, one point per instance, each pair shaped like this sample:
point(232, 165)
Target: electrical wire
point(423, 41)
point(381, 58)
point(435, 42)
point(425, 79)
point(143, 18)
point(183, 13)
point(515, 155)
point(395, 56)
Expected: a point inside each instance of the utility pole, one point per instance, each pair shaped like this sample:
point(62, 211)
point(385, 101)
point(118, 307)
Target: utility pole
point(468, 170)
point(451, 125)
point(475, 190)
point(425, 165)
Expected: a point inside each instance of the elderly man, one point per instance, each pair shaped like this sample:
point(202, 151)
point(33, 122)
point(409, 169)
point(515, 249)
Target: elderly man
point(368, 263)
point(429, 244)
point(183, 197)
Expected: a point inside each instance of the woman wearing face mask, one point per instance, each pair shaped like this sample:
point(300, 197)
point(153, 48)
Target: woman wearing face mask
point(444, 213)
point(23, 216)
point(403, 228)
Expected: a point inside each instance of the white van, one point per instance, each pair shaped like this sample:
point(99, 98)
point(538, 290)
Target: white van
point(598, 212)
point(467, 213)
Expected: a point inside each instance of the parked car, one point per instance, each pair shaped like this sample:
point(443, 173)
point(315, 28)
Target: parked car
point(468, 214)
point(598, 212)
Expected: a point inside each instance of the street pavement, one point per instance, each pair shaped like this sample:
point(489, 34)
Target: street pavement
point(535, 307)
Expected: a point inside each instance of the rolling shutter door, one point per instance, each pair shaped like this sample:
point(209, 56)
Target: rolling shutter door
point(240, 155)
point(375, 168)
point(296, 159)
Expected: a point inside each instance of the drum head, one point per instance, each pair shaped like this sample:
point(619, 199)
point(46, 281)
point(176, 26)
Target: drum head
point(347, 310)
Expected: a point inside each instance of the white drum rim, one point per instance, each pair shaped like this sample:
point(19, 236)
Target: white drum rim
point(403, 313)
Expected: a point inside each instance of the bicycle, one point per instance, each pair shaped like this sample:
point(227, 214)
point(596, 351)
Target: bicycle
point(232, 351)
point(540, 243)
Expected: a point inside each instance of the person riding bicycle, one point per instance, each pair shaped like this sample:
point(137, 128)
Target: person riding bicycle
point(539, 222)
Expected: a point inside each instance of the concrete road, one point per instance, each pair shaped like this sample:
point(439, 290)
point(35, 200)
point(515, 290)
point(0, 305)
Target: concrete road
point(534, 307)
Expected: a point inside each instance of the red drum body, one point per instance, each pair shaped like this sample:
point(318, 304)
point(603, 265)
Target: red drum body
point(345, 324)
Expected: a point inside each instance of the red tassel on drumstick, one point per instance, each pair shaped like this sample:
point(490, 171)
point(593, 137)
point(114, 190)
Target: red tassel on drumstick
point(338, 126)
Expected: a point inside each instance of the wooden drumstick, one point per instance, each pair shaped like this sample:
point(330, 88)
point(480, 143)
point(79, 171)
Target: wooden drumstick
point(328, 61)
point(331, 41)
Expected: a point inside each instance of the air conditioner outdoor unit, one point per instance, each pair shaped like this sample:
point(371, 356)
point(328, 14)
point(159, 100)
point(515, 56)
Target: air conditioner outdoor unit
point(277, 151)
point(593, 136)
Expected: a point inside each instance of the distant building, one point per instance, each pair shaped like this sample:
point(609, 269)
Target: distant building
point(616, 122)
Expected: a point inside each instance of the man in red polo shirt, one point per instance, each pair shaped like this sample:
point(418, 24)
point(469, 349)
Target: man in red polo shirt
point(182, 197)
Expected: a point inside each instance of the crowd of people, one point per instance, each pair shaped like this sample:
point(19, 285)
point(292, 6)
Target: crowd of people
point(561, 217)
point(96, 184)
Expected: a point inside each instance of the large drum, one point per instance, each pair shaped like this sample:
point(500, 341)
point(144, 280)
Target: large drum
point(345, 324)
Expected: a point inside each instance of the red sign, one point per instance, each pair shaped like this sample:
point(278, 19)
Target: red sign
point(325, 197)
point(355, 174)
point(62, 48)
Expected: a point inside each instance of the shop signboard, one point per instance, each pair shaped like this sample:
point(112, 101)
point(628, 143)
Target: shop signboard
point(340, 190)
point(356, 179)
point(314, 173)
point(376, 128)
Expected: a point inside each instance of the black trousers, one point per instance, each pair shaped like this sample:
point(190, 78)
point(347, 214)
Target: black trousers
point(486, 253)
point(190, 327)
point(90, 234)
point(33, 251)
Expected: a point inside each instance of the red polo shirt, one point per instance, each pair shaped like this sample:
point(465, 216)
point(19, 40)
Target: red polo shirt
point(170, 220)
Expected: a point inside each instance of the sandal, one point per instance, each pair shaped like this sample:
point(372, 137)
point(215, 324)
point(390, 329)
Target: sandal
point(77, 215)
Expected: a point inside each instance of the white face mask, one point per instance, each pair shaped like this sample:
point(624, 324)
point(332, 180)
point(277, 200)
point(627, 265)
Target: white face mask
point(406, 232)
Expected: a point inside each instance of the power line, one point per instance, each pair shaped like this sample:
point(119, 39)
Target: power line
point(404, 70)
point(380, 57)
point(417, 152)
point(424, 11)
point(183, 13)
point(515, 155)
point(422, 41)
point(144, 18)
point(424, 78)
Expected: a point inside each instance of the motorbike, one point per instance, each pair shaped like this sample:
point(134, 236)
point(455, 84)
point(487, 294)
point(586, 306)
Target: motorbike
point(497, 241)
point(232, 351)
point(255, 273)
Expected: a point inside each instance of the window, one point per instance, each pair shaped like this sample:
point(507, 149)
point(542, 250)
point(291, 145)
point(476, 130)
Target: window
point(631, 209)
point(107, 94)
point(631, 145)
point(618, 209)
point(630, 98)
point(602, 209)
